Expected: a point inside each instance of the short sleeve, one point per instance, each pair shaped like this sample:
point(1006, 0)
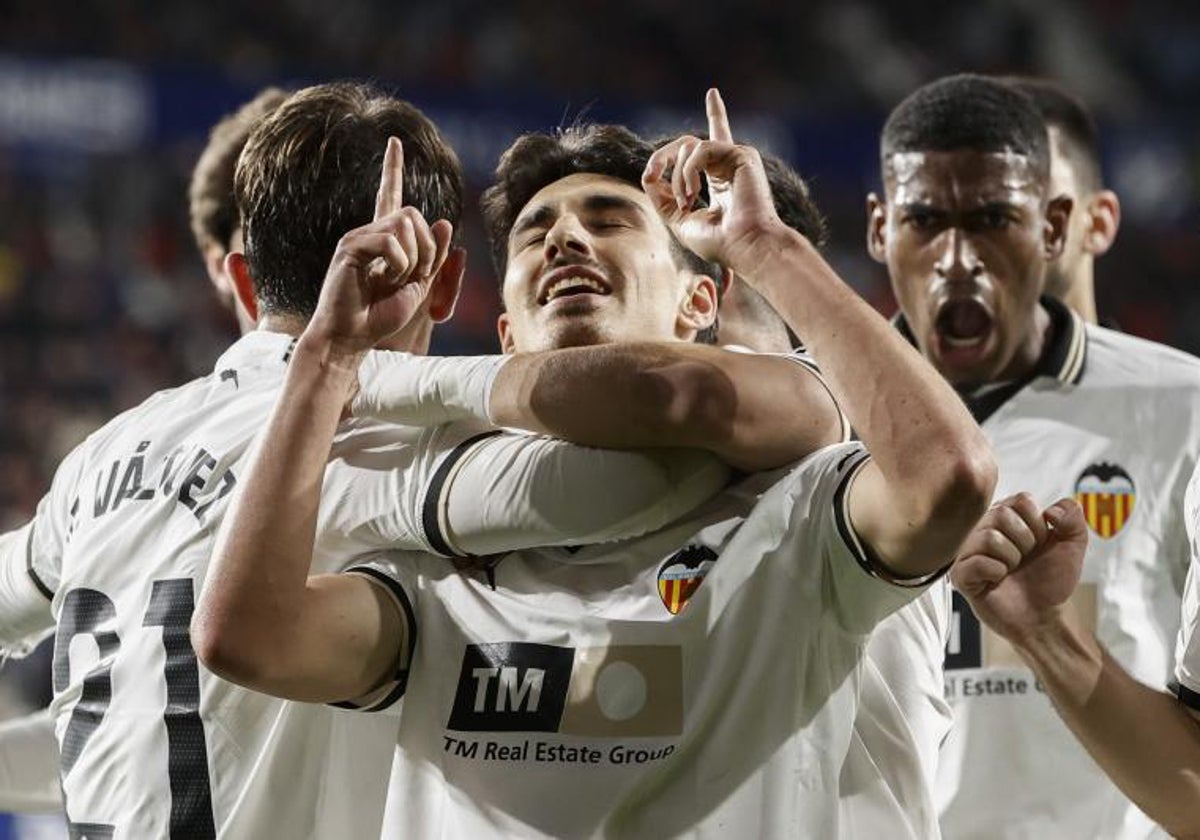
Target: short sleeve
point(31, 562)
point(509, 491)
point(397, 579)
point(819, 533)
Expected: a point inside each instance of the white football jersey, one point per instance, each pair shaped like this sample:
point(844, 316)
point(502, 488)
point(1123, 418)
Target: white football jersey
point(154, 746)
point(1187, 648)
point(887, 782)
point(1113, 421)
point(699, 681)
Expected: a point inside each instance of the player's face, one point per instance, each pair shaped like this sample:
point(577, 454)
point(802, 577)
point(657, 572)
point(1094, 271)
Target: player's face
point(590, 262)
point(966, 236)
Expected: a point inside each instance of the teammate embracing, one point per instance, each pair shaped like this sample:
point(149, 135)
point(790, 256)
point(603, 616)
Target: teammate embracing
point(701, 678)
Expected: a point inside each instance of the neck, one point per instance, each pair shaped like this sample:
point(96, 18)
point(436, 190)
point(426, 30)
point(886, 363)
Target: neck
point(1081, 296)
point(1026, 358)
point(414, 338)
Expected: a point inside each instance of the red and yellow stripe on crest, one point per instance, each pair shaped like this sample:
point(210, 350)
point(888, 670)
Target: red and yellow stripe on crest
point(1106, 513)
point(675, 592)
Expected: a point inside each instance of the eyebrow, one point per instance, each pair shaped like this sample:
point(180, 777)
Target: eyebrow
point(595, 203)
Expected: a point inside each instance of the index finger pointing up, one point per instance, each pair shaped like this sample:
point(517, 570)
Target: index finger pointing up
point(390, 197)
point(718, 120)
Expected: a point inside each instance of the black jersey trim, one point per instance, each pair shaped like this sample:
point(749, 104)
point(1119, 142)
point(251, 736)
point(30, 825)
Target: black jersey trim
point(431, 518)
point(46, 591)
point(1064, 358)
point(38, 583)
point(865, 557)
point(410, 618)
point(1189, 698)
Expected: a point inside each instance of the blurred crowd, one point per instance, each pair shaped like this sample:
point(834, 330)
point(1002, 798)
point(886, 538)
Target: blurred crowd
point(103, 298)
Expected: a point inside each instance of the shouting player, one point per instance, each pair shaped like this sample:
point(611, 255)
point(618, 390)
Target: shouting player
point(967, 228)
point(701, 677)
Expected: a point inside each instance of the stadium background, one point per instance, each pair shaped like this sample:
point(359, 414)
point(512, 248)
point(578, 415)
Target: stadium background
point(104, 108)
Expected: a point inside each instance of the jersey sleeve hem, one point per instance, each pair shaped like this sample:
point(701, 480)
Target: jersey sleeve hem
point(390, 692)
point(1187, 696)
point(863, 555)
point(433, 512)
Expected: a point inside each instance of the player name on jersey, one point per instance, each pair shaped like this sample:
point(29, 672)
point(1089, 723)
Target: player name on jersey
point(186, 473)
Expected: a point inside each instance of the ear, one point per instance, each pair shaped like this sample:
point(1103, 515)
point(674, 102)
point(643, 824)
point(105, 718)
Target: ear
point(1104, 218)
point(443, 292)
point(728, 279)
point(238, 271)
point(876, 227)
point(699, 308)
point(1054, 231)
point(504, 328)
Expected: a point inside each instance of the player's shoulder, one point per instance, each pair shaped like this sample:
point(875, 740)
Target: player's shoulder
point(1116, 358)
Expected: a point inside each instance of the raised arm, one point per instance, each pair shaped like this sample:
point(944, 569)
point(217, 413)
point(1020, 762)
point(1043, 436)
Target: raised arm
point(261, 620)
point(932, 472)
point(1017, 570)
point(264, 622)
point(753, 411)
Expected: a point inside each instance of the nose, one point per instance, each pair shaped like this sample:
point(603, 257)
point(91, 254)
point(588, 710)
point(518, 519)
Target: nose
point(959, 260)
point(566, 237)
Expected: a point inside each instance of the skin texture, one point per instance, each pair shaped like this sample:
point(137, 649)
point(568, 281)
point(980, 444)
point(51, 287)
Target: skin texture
point(609, 229)
point(1018, 569)
point(969, 226)
point(1092, 229)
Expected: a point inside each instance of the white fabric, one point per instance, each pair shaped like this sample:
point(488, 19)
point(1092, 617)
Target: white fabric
point(29, 765)
point(556, 695)
point(1010, 767)
point(425, 390)
point(887, 781)
point(1187, 648)
point(124, 539)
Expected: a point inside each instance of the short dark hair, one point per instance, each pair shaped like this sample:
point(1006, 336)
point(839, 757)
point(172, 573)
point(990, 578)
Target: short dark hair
point(211, 205)
point(971, 112)
point(793, 201)
point(1067, 113)
point(537, 160)
point(310, 172)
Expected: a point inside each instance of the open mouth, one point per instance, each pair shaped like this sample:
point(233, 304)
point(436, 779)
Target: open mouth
point(570, 282)
point(963, 323)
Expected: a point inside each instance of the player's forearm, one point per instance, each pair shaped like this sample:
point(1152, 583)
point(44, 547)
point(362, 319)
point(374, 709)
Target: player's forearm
point(29, 781)
point(1145, 740)
point(755, 412)
point(927, 448)
point(254, 598)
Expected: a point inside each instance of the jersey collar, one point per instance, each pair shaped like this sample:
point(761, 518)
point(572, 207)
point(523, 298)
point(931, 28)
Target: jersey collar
point(259, 348)
point(1062, 362)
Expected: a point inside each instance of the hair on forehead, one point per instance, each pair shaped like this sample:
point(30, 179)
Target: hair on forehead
point(534, 161)
point(967, 112)
point(1066, 112)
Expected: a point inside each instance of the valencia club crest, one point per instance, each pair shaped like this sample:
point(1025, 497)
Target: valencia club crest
point(1106, 493)
point(682, 575)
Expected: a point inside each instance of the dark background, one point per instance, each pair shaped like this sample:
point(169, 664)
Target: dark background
point(104, 108)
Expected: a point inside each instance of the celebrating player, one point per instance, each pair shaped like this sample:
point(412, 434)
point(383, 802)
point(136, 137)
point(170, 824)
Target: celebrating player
point(29, 772)
point(153, 745)
point(966, 229)
point(701, 676)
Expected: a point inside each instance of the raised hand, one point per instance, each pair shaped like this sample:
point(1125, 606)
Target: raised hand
point(740, 206)
point(381, 272)
point(1020, 565)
